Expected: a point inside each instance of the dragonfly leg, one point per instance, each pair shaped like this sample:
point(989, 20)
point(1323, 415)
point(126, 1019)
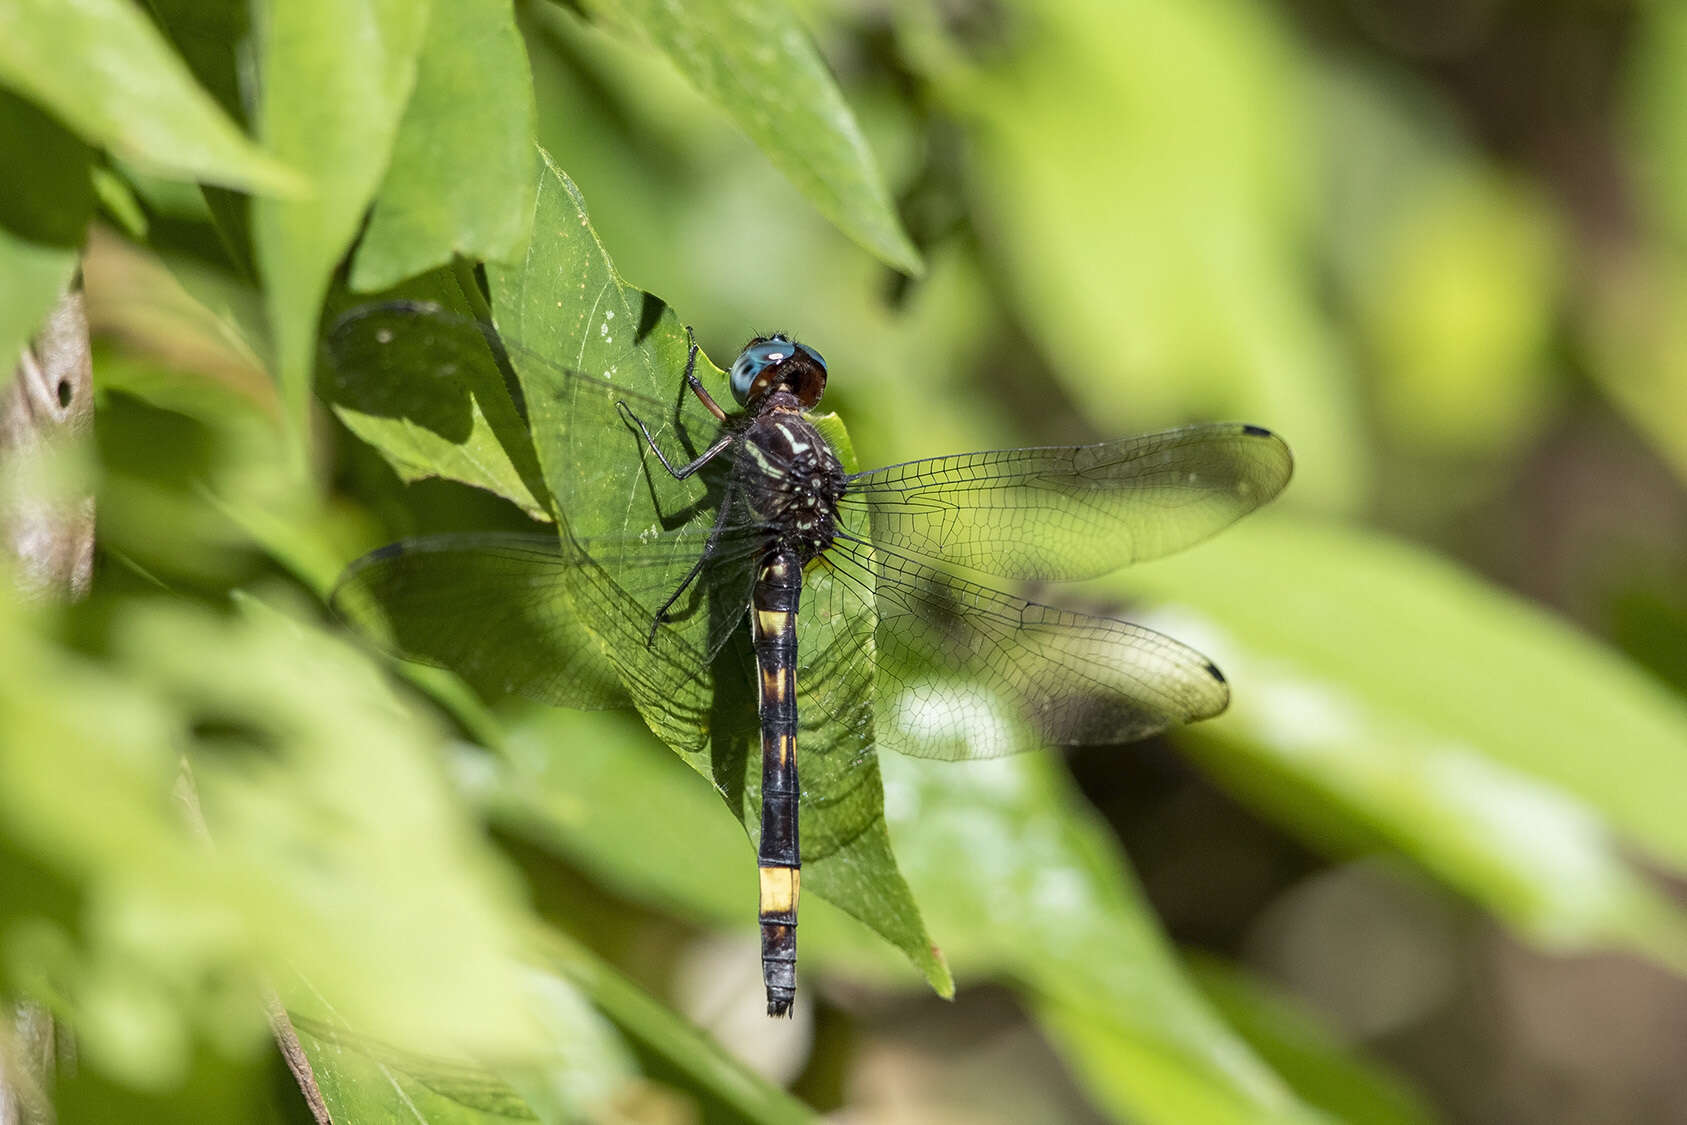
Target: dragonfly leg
point(691, 575)
point(695, 383)
point(704, 397)
point(683, 471)
point(685, 583)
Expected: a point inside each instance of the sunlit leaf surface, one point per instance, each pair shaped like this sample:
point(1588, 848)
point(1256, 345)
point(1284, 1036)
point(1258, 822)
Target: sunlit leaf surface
point(1017, 877)
point(754, 60)
point(286, 732)
point(461, 176)
point(1308, 1055)
point(331, 108)
point(103, 69)
point(1383, 696)
point(583, 1068)
point(1154, 261)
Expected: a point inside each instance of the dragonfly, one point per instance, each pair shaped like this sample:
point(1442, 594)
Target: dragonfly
point(872, 598)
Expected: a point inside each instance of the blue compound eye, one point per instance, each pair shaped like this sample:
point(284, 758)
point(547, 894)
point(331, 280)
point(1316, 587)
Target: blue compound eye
point(746, 376)
point(753, 360)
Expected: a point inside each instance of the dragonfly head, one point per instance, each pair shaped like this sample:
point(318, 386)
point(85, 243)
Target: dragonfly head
point(769, 362)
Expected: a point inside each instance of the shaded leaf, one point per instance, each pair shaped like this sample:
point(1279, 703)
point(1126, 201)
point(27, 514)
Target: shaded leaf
point(43, 213)
point(435, 407)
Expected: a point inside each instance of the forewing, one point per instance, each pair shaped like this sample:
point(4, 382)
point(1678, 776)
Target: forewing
point(646, 530)
point(1062, 513)
point(501, 611)
point(965, 671)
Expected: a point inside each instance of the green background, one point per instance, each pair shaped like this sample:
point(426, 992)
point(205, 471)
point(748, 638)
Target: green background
point(1427, 867)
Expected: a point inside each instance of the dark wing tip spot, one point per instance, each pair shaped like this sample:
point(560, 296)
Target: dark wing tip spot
point(1256, 431)
point(1212, 670)
point(390, 551)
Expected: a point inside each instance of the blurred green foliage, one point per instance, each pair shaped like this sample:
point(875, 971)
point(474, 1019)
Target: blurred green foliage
point(1461, 644)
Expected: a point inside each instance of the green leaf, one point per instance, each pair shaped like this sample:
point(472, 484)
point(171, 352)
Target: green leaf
point(1380, 695)
point(336, 76)
point(584, 1068)
point(216, 40)
point(32, 277)
point(1636, 314)
point(187, 414)
point(104, 70)
point(340, 852)
point(1168, 246)
point(1134, 1078)
point(1018, 877)
point(1655, 85)
point(409, 891)
point(119, 204)
point(742, 1092)
point(1305, 1052)
point(567, 298)
point(594, 786)
point(1459, 301)
point(464, 428)
point(755, 61)
point(462, 172)
point(43, 214)
point(1637, 344)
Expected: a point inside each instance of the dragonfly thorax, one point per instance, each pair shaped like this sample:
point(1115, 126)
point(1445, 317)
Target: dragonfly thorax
point(792, 480)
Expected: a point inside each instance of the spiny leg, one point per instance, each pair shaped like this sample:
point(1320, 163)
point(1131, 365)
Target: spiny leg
point(703, 396)
point(695, 383)
point(684, 471)
point(703, 558)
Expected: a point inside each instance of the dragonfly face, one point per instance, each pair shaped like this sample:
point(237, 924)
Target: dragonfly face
point(944, 664)
point(769, 362)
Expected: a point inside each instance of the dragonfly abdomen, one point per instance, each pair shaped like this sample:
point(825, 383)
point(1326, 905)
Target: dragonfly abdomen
point(773, 623)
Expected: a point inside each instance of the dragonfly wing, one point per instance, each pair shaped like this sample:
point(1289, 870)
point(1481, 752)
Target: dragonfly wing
point(494, 609)
point(591, 618)
point(965, 671)
point(1070, 512)
point(504, 611)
